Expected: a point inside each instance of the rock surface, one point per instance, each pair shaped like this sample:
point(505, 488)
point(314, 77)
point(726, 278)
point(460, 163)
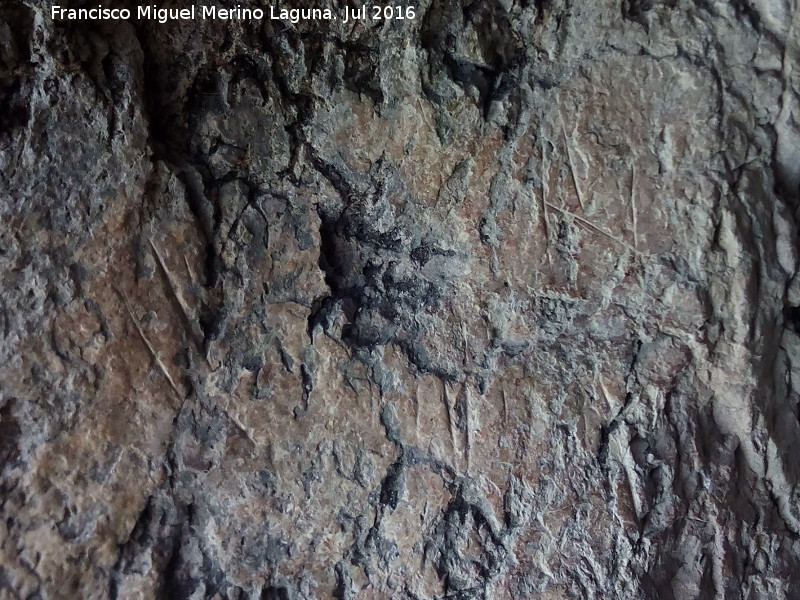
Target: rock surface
point(500, 302)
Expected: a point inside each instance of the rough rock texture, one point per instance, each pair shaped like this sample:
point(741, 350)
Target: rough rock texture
point(500, 303)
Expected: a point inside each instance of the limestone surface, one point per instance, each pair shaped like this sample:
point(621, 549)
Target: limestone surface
point(498, 302)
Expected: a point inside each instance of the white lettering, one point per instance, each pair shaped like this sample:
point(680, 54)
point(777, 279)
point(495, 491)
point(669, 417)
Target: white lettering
point(295, 15)
point(163, 15)
point(90, 14)
point(231, 14)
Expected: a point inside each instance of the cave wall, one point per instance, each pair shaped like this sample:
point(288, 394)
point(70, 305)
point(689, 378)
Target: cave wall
point(499, 302)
